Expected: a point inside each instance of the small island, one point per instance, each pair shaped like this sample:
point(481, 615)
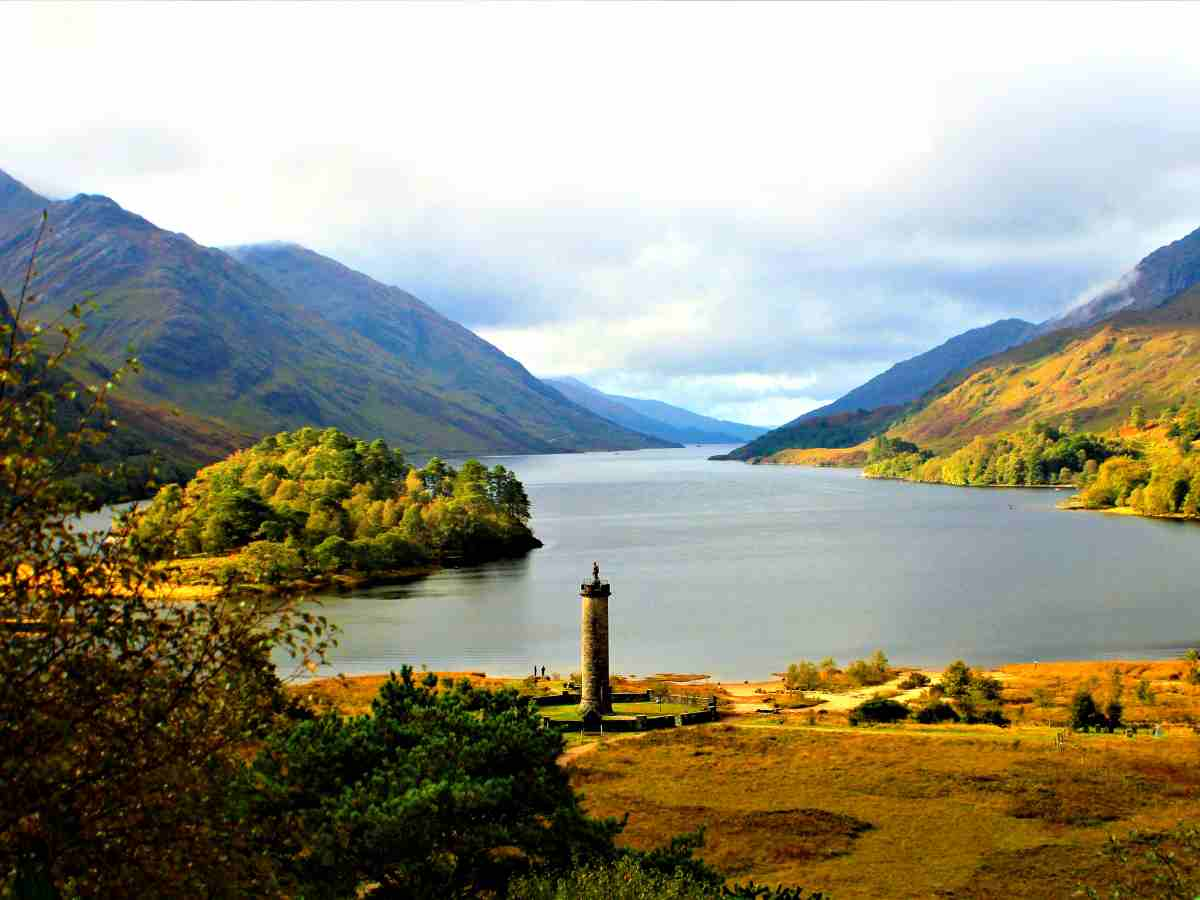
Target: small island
point(316, 507)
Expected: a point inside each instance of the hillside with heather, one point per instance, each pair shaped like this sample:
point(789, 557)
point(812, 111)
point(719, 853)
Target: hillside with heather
point(1092, 376)
point(908, 380)
point(311, 343)
point(835, 431)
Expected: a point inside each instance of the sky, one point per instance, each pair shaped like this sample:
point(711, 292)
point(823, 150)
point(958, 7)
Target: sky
point(742, 209)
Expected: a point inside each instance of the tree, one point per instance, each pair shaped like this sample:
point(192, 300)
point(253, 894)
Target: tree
point(436, 793)
point(1084, 711)
point(1137, 416)
point(121, 716)
point(802, 676)
point(956, 680)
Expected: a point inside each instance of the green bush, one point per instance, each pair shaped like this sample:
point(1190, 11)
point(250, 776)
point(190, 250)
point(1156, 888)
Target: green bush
point(914, 680)
point(265, 562)
point(878, 709)
point(936, 713)
point(956, 680)
point(435, 794)
point(1145, 693)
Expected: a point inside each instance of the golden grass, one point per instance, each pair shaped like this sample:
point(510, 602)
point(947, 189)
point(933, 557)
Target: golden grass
point(1176, 699)
point(902, 812)
point(841, 457)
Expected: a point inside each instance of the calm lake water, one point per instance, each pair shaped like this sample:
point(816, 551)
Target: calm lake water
point(736, 570)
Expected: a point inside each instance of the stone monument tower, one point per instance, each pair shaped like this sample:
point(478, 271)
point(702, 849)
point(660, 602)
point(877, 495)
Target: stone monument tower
point(596, 695)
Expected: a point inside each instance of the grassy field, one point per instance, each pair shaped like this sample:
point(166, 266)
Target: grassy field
point(906, 810)
point(909, 811)
point(623, 709)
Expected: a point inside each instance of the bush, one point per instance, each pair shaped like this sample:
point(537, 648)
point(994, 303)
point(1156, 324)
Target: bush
point(1169, 861)
point(1084, 712)
point(988, 715)
point(435, 794)
point(631, 878)
point(265, 562)
point(914, 680)
point(333, 554)
point(1145, 693)
point(936, 713)
point(878, 709)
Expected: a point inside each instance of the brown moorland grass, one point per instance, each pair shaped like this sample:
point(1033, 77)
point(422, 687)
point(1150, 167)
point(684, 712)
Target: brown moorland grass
point(1176, 699)
point(910, 811)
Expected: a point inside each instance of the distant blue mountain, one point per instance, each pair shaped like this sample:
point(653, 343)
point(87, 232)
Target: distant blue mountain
point(655, 418)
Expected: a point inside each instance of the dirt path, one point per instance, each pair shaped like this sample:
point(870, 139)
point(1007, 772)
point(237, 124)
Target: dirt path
point(747, 698)
point(575, 751)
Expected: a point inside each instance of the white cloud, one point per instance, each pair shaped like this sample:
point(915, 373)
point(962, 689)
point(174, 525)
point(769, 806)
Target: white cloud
point(677, 192)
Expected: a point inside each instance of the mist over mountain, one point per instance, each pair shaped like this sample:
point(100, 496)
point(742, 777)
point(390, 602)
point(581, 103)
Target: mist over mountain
point(1161, 275)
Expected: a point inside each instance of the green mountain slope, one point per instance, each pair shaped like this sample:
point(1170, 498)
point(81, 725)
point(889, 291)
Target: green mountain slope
point(670, 423)
point(908, 380)
point(487, 395)
point(837, 430)
point(1092, 376)
point(227, 346)
point(871, 407)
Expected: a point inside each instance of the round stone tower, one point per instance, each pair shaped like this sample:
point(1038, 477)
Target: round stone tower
point(596, 695)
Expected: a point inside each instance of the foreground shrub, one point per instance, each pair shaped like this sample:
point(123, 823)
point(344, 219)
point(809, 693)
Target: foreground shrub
point(629, 878)
point(1154, 864)
point(121, 717)
point(878, 709)
point(435, 794)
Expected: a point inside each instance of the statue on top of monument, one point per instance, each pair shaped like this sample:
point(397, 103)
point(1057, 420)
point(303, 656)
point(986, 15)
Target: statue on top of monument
point(596, 572)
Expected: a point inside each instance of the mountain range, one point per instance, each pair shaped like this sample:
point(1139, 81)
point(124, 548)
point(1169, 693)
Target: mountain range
point(265, 338)
point(1011, 372)
point(1092, 375)
point(653, 417)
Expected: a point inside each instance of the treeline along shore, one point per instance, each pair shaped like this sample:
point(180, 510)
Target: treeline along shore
point(315, 507)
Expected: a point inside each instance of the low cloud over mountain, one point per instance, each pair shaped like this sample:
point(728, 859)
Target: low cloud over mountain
point(682, 201)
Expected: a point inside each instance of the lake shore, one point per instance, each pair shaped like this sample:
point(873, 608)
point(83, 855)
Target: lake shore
point(1163, 690)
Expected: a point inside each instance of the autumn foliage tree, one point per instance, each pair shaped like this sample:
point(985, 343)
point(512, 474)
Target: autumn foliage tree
point(121, 715)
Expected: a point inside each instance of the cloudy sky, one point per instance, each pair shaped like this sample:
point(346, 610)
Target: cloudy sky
point(744, 209)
